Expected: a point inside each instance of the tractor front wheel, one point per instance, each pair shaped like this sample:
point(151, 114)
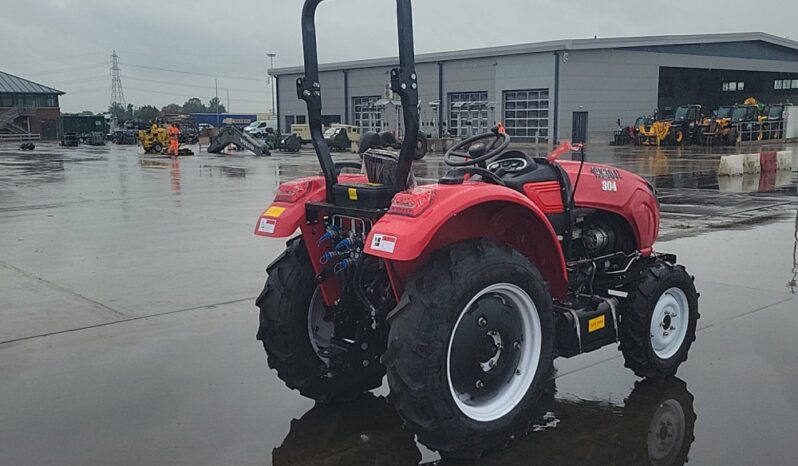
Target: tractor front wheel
point(294, 328)
point(470, 348)
point(658, 321)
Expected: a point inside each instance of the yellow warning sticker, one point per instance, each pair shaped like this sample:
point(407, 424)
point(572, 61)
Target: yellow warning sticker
point(352, 194)
point(596, 323)
point(274, 211)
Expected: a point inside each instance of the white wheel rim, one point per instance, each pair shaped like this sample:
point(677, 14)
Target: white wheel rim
point(666, 432)
point(511, 394)
point(669, 323)
point(320, 331)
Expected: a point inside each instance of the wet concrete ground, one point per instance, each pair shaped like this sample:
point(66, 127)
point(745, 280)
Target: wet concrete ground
point(127, 323)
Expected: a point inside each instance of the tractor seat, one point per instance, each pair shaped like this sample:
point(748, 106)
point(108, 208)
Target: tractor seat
point(517, 168)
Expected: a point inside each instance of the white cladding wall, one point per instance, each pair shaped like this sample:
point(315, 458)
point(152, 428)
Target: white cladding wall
point(608, 84)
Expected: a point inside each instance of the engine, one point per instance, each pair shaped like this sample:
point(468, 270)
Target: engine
point(603, 243)
point(598, 234)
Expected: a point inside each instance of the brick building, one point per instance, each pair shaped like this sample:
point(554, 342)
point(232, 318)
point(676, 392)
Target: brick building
point(27, 107)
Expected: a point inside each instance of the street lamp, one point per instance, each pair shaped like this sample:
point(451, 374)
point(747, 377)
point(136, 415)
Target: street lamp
point(271, 79)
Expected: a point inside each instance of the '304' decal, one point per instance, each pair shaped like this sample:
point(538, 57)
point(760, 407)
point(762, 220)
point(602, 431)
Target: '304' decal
point(608, 185)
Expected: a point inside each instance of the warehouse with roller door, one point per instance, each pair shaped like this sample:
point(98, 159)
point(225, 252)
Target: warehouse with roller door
point(552, 91)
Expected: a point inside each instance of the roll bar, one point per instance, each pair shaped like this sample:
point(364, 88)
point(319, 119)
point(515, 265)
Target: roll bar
point(404, 82)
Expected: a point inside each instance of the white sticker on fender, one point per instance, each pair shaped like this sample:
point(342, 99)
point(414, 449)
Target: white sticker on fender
point(385, 243)
point(267, 225)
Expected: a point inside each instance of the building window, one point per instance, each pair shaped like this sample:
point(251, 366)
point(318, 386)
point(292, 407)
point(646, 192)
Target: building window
point(50, 101)
point(785, 84)
point(329, 120)
point(292, 120)
point(795, 83)
point(468, 113)
point(368, 116)
point(733, 86)
point(6, 100)
point(526, 114)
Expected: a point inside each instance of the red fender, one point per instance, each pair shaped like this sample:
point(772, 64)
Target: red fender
point(469, 210)
point(287, 212)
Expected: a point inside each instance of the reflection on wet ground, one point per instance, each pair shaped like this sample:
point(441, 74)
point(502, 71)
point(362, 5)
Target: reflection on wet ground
point(126, 300)
point(654, 425)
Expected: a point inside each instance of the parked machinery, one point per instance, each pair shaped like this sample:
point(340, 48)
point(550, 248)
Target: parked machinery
point(387, 140)
point(641, 124)
point(714, 127)
point(153, 139)
point(69, 140)
point(341, 137)
point(230, 135)
point(772, 122)
point(744, 124)
point(124, 136)
point(290, 142)
point(676, 131)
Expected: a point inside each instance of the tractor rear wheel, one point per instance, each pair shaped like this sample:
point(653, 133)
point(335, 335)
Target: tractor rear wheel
point(293, 330)
point(658, 320)
point(157, 147)
point(470, 347)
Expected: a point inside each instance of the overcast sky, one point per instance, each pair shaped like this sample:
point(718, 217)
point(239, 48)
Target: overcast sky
point(67, 43)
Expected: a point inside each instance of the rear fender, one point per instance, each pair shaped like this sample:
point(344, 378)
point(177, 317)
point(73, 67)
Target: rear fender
point(281, 219)
point(462, 212)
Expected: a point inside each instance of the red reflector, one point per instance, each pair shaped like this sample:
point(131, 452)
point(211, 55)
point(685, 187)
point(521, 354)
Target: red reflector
point(292, 191)
point(411, 203)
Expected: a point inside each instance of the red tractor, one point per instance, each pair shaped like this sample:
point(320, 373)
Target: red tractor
point(463, 291)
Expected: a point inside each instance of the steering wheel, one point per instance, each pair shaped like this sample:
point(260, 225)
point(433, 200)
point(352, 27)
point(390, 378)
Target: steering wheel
point(474, 152)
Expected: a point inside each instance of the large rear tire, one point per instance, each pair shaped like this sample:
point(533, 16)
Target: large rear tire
point(470, 348)
point(293, 330)
point(658, 321)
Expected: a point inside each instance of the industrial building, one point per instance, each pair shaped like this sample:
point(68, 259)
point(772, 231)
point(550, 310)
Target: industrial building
point(27, 108)
point(551, 91)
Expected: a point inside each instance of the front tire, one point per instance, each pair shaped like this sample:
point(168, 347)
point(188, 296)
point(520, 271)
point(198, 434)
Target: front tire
point(658, 321)
point(293, 330)
point(470, 348)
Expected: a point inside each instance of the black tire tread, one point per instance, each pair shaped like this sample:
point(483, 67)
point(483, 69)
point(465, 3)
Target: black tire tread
point(290, 284)
point(634, 324)
point(417, 324)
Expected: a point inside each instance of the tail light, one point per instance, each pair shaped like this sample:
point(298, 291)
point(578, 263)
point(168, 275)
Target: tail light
point(292, 191)
point(411, 203)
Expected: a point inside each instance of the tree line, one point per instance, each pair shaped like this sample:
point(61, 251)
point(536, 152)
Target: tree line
point(148, 113)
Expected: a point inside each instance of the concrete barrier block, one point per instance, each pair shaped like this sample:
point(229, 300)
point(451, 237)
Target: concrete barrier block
point(785, 160)
point(767, 161)
point(783, 178)
point(731, 165)
point(751, 163)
